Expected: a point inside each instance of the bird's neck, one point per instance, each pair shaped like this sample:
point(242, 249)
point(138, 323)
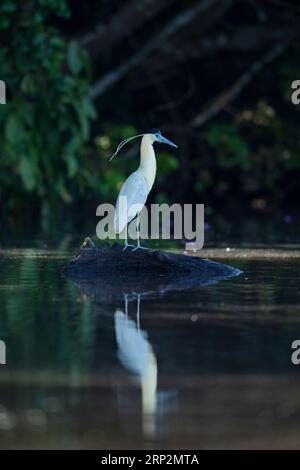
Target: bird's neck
point(148, 161)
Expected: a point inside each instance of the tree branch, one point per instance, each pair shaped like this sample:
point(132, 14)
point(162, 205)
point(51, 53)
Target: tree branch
point(181, 20)
point(245, 39)
point(229, 95)
point(129, 18)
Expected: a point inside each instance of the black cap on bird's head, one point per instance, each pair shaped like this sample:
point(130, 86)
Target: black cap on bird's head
point(154, 131)
point(157, 137)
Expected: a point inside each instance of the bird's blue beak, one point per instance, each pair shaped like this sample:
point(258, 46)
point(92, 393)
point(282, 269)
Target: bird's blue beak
point(163, 140)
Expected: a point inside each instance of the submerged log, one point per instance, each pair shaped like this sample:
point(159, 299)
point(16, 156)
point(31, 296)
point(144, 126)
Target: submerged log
point(106, 272)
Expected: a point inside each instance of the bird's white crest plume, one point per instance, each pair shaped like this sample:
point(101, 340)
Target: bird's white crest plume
point(121, 144)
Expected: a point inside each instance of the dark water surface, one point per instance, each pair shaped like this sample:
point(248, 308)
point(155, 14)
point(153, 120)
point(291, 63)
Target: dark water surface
point(204, 368)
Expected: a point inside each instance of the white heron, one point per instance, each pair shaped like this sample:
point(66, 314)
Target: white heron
point(135, 190)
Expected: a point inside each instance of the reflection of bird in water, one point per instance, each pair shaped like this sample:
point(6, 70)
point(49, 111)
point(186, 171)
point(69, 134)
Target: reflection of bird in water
point(135, 190)
point(136, 354)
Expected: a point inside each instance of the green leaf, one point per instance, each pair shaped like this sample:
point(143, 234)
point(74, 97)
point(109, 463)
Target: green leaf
point(27, 84)
point(14, 130)
point(72, 165)
point(27, 173)
point(89, 108)
point(74, 58)
point(167, 163)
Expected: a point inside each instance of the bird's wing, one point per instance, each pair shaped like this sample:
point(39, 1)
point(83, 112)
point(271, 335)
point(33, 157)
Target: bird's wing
point(131, 199)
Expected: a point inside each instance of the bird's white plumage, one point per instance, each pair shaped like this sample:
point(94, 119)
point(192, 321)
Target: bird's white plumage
point(136, 188)
point(133, 346)
point(136, 354)
point(131, 199)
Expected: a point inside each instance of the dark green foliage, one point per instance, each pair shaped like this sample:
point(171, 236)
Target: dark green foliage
point(54, 153)
point(46, 122)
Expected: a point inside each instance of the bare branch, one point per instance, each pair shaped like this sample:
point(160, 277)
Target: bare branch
point(245, 39)
point(229, 95)
point(181, 20)
point(129, 18)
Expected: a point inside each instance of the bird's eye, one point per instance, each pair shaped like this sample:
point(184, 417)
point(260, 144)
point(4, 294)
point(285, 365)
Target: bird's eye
point(157, 134)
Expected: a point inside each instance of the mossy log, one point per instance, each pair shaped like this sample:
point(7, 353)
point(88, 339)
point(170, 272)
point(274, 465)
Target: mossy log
point(106, 272)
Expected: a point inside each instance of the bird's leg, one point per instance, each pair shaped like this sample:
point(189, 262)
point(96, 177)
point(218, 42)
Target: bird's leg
point(138, 312)
point(126, 306)
point(138, 245)
point(125, 239)
point(126, 244)
point(138, 230)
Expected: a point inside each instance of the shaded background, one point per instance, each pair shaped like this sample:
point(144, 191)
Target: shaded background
point(214, 76)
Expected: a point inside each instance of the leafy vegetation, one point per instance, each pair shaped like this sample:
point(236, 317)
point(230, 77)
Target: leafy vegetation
point(77, 85)
point(46, 122)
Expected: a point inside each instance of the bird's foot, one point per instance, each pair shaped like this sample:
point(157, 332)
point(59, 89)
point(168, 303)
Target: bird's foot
point(127, 245)
point(139, 247)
